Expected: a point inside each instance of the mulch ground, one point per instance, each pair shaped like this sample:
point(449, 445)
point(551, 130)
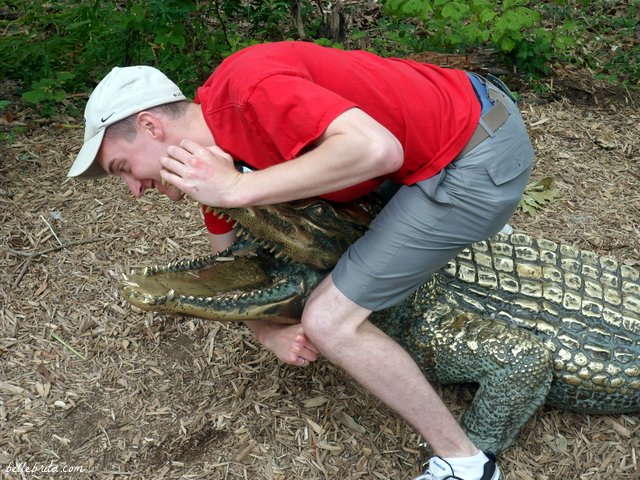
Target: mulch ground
point(86, 381)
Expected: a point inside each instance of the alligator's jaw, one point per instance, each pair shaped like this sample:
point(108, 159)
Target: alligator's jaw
point(224, 288)
point(300, 242)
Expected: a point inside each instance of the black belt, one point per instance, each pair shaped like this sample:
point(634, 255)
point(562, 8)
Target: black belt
point(494, 118)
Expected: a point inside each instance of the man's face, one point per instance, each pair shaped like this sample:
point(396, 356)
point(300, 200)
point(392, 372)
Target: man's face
point(137, 163)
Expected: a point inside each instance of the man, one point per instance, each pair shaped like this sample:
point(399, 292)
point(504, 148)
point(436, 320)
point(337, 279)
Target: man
point(310, 121)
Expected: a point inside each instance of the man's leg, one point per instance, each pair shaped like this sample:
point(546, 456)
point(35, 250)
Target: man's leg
point(340, 329)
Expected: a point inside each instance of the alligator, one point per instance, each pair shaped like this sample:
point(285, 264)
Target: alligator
point(528, 320)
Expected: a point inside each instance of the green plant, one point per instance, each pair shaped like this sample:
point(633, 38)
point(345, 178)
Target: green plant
point(606, 36)
point(66, 46)
point(46, 92)
point(511, 27)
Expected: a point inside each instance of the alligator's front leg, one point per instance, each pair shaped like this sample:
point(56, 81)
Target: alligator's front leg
point(511, 366)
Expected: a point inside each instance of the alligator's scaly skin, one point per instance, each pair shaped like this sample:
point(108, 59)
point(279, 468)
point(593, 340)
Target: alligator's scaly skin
point(531, 321)
point(526, 319)
point(583, 307)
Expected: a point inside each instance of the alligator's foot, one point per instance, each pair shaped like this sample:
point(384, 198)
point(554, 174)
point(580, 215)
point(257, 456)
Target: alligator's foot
point(511, 365)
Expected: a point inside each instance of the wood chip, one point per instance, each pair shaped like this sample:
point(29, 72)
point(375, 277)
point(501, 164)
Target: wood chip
point(173, 397)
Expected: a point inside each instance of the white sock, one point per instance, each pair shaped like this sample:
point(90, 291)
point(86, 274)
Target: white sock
point(470, 468)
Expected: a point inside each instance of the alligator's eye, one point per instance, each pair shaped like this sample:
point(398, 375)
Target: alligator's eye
point(316, 209)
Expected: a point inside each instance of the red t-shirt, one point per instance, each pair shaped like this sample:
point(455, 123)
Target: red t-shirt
point(267, 103)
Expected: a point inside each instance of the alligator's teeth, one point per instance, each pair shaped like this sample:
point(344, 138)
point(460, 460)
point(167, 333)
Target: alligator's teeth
point(148, 299)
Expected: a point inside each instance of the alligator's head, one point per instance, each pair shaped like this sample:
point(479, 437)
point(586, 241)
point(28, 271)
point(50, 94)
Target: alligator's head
point(284, 252)
point(313, 232)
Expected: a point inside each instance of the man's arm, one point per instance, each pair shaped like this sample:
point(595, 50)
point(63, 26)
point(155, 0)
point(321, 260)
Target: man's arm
point(353, 148)
point(221, 241)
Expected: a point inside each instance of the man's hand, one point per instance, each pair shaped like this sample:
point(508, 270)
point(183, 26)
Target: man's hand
point(206, 174)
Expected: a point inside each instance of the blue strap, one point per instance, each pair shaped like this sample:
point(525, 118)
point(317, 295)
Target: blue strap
point(481, 92)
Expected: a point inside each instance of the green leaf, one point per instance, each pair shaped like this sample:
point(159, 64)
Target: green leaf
point(34, 96)
point(455, 11)
point(509, 4)
point(487, 15)
point(537, 194)
point(65, 76)
point(507, 44)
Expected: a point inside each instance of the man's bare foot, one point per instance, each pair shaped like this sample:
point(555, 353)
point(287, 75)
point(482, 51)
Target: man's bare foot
point(287, 342)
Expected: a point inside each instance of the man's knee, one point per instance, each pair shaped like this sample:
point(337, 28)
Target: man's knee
point(321, 325)
point(330, 317)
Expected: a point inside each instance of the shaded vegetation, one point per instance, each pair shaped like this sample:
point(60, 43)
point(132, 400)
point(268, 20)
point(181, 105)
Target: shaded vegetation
point(58, 48)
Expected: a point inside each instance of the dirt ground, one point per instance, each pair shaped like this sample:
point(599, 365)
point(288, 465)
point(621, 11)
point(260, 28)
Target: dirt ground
point(88, 383)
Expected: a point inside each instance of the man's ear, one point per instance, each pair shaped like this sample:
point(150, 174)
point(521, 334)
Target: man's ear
point(150, 124)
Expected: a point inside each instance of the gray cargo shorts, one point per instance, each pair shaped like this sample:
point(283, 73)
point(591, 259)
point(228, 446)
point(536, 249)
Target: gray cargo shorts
point(425, 225)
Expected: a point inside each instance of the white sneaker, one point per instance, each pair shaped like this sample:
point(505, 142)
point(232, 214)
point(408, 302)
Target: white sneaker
point(439, 469)
point(507, 229)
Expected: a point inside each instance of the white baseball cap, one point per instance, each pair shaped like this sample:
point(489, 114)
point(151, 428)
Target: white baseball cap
point(123, 92)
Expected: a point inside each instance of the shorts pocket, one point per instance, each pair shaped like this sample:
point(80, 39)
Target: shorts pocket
point(512, 164)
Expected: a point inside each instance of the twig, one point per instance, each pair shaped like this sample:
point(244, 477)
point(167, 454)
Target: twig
point(73, 350)
point(31, 255)
point(23, 271)
point(52, 230)
point(59, 247)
